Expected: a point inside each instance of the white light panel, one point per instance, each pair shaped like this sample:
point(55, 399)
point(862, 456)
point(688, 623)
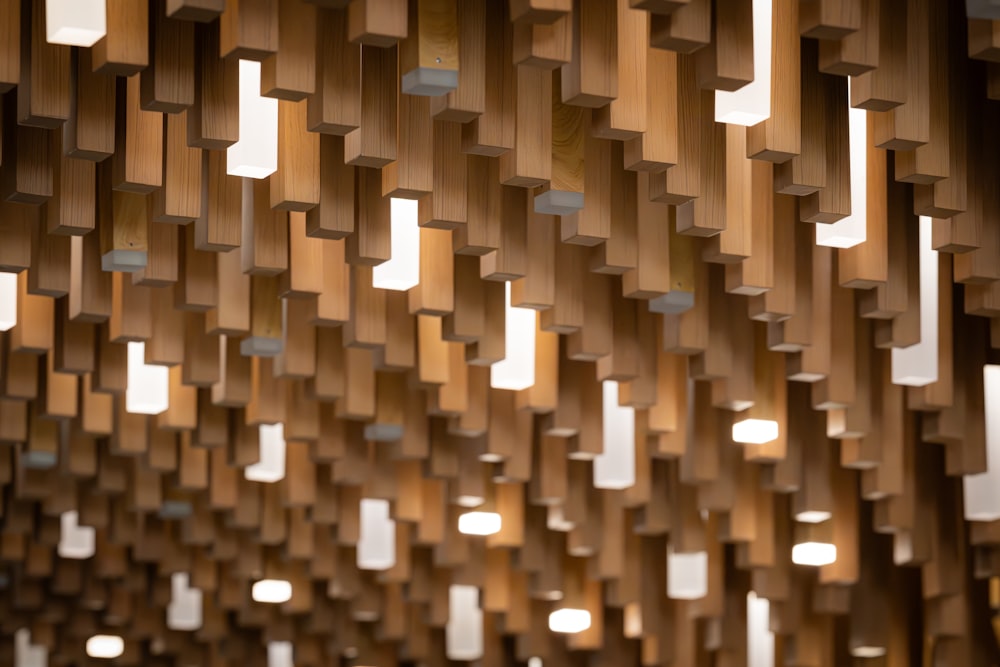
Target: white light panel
point(402, 270)
point(614, 468)
point(147, 391)
point(516, 370)
point(75, 22)
point(255, 155)
point(271, 466)
point(479, 523)
point(377, 544)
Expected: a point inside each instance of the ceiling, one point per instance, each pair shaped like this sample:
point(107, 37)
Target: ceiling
point(697, 301)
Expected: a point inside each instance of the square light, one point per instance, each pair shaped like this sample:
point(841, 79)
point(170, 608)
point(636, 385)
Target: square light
point(479, 523)
point(814, 554)
point(755, 431)
point(106, 647)
point(569, 621)
point(271, 591)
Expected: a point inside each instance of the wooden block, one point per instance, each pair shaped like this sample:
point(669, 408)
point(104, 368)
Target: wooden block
point(213, 118)
point(684, 29)
point(290, 74)
point(592, 81)
point(10, 57)
point(295, 185)
point(335, 107)
point(168, 83)
point(374, 143)
point(248, 29)
point(202, 11)
point(727, 64)
point(137, 165)
point(492, 132)
point(429, 56)
point(179, 201)
point(124, 51)
point(823, 19)
point(43, 98)
point(777, 138)
point(380, 23)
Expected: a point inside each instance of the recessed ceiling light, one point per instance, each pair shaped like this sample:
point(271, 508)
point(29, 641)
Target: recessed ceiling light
point(272, 591)
point(105, 646)
point(479, 523)
point(569, 621)
point(814, 554)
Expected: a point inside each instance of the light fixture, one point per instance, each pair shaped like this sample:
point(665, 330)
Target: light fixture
point(255, 155)
point(814, 554)
point(535, 661)
point(755, 431)
point(569, 621)
point(853, 229)
point(614, 468)
point(8, 301)
point(868, 651)
point(107, 647)
point(687, 575)
point(464, 630)
point(516, 370)
point(280, 654)
point(27, 654)
point(479, 523)
point(760, 639)
point(271, 591)
point(75, 22)
point(751, 104)
point(75, 541)
point(982, 491)
point(377, 543)
point(270, 467)
point(917, 365)
point(184, 608)
point(148, 385)
point(402, 270)
point(813, 516)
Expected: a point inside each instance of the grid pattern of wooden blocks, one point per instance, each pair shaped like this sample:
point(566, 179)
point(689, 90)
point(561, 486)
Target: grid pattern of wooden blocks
point(570, 148)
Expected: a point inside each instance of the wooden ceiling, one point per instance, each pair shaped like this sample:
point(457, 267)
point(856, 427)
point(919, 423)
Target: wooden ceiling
point(691, 277)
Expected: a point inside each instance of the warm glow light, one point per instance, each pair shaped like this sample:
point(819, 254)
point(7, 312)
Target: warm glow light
point(75, 541)
point(464, 630)
point(569, 621)
point(75, 22)
point(184, 609)
point(255, 155)
point(614, 468)
point(517, 369)
point(852, 230)
point(917, 365)
point(479, 523)
point(280, 654)
point(814, 553)
point(272, 591)
point(27, 654)
point(8, 301)
point(755, 431)
point(982, 491)
point(760, 639)
point(377, 544)
point(402, 270)
point(868, 651)
point(271, 466)
point(534, 661)
point(751, 104)
point(687, 575)
point(147, 389)
point(812, 516)
point(105, 646)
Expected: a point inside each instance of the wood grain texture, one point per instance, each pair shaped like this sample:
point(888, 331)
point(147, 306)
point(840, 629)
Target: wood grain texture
point(575, 157)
